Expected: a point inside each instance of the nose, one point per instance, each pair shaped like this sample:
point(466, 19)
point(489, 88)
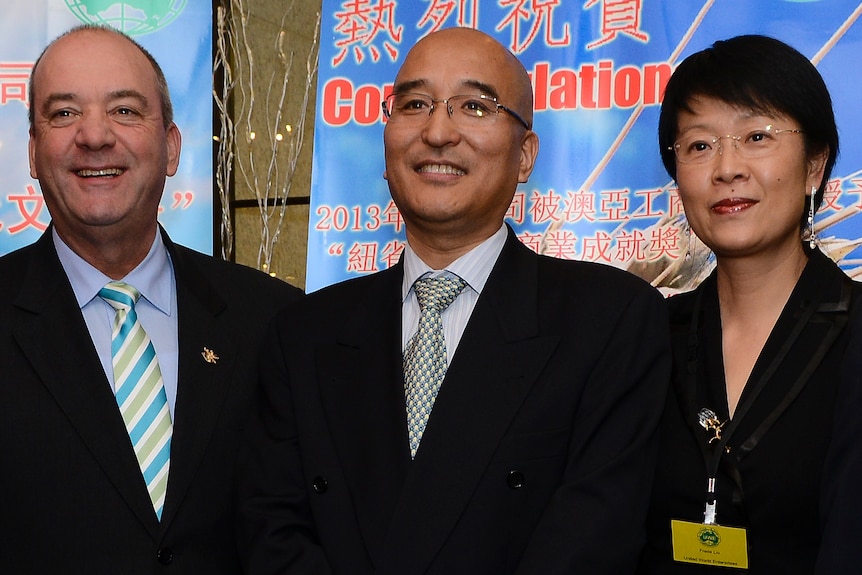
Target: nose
point(440, 128)
point(95, 132)
point(729, 165)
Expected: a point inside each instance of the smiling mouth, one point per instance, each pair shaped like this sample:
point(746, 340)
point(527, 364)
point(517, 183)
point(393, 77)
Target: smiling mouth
point(733, 205)
point(441, 169)
point(100, 173)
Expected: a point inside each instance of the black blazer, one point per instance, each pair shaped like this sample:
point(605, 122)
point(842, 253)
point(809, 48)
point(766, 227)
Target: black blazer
point(841, 507)
point(769, 477)
point(537, 454)
point(73, 497)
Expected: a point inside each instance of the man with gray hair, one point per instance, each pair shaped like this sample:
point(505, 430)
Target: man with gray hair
point(127, 362)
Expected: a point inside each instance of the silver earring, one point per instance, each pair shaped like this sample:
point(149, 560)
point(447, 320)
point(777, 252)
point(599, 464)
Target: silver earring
point(812, 237)
point(688, 237)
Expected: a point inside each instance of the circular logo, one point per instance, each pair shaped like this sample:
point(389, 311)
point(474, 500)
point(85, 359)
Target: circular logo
point(134, 17)
point(708, 537)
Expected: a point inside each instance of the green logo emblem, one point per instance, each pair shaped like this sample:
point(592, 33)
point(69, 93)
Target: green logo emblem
point(708, 537)
point(134, 17)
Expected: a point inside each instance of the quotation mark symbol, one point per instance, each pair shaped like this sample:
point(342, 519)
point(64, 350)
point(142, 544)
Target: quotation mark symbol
point(184, 198)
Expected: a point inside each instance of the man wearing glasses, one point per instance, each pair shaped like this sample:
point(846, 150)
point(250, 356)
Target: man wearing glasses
point(477, 408)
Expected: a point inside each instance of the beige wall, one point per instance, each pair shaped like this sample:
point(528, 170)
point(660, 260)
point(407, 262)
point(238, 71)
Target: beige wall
point(265, 19)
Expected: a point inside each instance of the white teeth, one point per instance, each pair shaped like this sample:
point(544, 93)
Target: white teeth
point(442, 169)
point(106, 172)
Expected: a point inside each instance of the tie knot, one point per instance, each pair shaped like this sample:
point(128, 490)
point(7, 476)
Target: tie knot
point(120, 295)
point(439, 292)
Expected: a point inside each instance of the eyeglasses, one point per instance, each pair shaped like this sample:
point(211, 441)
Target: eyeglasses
point(411, 108)
point(698, 148)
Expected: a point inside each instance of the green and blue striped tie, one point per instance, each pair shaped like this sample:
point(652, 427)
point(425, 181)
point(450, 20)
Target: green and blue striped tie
point(140, 391)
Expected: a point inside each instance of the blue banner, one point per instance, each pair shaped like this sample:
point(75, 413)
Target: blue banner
point(178, 33)
point(598, 67)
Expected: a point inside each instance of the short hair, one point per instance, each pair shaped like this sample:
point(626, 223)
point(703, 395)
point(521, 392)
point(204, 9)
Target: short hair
point(761, 74)
point(161, 82)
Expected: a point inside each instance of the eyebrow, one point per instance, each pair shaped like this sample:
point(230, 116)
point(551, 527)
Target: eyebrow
point(411, 85)
point(133, 94)
point(482, 87)
point(762, 121)
point(52, 99)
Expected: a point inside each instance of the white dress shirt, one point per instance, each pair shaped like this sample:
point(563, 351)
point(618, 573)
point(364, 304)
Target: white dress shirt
point(474, 267)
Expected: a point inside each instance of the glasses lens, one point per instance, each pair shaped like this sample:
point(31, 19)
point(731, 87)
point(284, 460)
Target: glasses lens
point(402, 107)
point(473, 107)
point(695, 148)
point(759, 143)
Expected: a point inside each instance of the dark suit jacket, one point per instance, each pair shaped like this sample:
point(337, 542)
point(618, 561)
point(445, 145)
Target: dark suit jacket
point(74, 500)
point(768, 479)
point(537, 454)
point(841, 506)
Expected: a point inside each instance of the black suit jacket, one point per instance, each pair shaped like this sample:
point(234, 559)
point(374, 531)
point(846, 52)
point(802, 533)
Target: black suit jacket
point(74, 500)
point(537, 454)
point(841, 510)
point(769, 475)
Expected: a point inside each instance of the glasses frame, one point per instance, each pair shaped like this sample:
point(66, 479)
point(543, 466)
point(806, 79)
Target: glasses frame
point(449, 110)
point(716, 141)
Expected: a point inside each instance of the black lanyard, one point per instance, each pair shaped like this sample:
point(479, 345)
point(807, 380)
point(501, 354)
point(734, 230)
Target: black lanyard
point(713, 456)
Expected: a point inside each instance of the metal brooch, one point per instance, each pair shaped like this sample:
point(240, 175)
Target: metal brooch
point(710, 422)
point(209, 355)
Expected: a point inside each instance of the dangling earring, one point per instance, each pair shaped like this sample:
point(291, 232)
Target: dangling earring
point(688, 237)
point(812, 237)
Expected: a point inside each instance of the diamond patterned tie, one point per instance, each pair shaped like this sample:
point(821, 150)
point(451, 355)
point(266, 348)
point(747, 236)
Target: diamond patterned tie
point(140, 391)
point(425, 358)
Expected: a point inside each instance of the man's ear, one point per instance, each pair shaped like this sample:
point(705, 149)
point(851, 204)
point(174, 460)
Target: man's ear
point(174, 142)
point(529, 151)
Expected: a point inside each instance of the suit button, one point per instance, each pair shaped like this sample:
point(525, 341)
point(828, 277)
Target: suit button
point(320, 485)
point(515, 479)
point(165, 556)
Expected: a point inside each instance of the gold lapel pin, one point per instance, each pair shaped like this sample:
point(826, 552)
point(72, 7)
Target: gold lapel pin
point(209, 355)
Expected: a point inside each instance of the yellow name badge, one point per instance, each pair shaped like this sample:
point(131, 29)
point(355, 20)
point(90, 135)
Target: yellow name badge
point(709, 544)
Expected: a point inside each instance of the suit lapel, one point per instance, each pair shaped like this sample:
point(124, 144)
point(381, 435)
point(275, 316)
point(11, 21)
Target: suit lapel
point(69, 368)
point(362, 391)
point(813, 317)
point(201, 385)
point(497, 361)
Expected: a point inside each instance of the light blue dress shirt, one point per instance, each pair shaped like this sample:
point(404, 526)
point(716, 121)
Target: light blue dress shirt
point(157, 307)
point(474, 267)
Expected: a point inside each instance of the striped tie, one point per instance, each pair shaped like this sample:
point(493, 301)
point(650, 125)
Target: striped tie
point(140, 391)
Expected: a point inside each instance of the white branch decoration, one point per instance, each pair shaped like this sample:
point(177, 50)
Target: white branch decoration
point(266, 162)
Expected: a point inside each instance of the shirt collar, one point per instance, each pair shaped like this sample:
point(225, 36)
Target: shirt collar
point(153, 277)
point(474, 267)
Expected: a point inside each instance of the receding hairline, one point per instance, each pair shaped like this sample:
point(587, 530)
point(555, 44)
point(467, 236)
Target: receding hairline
point(166, 105)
